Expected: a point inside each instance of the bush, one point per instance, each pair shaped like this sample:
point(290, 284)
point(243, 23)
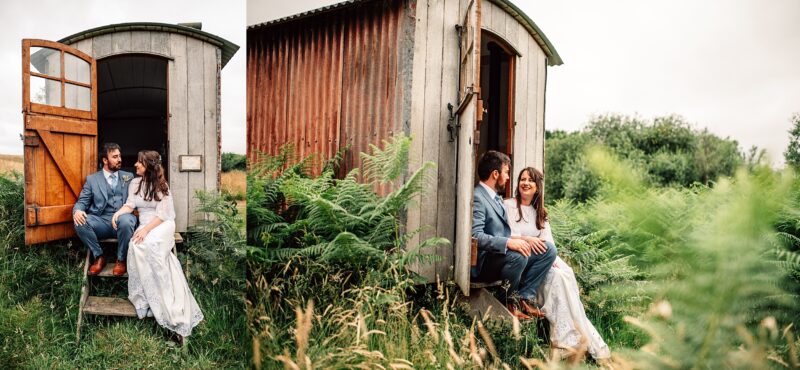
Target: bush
point(233, 161)
point(667, 149)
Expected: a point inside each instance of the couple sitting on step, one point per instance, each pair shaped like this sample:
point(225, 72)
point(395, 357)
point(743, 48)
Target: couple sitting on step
point(156, 284)
point(515, 245)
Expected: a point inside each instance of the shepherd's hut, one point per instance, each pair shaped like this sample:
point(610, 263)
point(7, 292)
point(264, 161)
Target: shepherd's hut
point(459, 76)
point(141, 85)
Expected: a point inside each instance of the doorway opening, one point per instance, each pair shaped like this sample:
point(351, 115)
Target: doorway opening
point(497, 92)
point(132, 105)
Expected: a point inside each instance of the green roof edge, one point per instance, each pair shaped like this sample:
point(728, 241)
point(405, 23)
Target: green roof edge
point(553, 59)
point(228, 48)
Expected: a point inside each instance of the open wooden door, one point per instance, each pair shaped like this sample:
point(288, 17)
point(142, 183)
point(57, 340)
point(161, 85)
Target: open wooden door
point(59, 107)
point(469, 113)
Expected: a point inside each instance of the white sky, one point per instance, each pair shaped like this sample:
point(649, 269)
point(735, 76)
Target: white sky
point(56, 19)
point(732, 66)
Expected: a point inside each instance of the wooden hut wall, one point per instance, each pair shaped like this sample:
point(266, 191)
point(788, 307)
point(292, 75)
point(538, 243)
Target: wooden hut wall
point(330, 80)
point(434, 85)
point(194, 107)
point(528, 145)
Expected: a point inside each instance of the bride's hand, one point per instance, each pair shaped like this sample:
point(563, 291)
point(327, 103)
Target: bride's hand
point(114, 219)
point(139, 235)
point(537, 245)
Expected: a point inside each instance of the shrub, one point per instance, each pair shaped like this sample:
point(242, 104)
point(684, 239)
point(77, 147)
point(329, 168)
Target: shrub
point(233, 161)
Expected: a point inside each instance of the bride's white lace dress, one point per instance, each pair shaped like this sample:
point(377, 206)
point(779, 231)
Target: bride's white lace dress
point(155, 278)
point(558, 296)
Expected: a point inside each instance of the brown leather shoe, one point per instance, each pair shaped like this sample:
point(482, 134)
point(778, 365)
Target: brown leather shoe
point(97, 266)
point(516, 312)
point(530, 309)
point(120, 268)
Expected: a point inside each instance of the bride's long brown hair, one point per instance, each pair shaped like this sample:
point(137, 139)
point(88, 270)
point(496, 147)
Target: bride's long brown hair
point(538, 197)
point(153, 180)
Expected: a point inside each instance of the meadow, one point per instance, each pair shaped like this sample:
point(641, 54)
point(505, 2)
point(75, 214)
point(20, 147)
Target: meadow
point(40, 290)
point(673, 276)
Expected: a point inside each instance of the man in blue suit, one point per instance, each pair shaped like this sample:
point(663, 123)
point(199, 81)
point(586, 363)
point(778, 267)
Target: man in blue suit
point(104, 193)
point(522, 265)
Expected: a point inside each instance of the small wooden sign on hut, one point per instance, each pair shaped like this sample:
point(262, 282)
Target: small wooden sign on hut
point(141, 85)
point(459, 76)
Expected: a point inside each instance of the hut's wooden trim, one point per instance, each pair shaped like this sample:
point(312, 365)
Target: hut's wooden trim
point(165, 56)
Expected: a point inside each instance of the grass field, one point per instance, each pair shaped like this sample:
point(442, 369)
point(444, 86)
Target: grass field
point(40, 289)
point(10, 162)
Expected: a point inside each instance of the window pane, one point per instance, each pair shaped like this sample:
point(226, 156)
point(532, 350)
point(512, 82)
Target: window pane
point(46, 61)
point(78, 97)
point(45, 91)
point(76, 69)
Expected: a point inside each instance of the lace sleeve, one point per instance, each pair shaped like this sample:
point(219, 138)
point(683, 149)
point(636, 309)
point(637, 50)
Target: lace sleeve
point(165, 210)
point(131, 189)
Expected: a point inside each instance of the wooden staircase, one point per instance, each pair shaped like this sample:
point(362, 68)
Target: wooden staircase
point(105, 306)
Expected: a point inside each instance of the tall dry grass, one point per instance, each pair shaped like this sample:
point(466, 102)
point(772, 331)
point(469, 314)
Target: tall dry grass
point(10, 163)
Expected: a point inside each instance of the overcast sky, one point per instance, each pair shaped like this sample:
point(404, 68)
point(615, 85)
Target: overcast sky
point(732, 66)
point(55, 19)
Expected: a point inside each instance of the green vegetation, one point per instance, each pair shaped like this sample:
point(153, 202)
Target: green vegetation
point(40, 288)
point(698, 273)
point(233, 161)
point(792, 153)
point(667, 150)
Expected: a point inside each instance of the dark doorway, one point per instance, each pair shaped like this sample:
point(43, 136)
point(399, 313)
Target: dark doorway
point(497, 90)
point(132, 105)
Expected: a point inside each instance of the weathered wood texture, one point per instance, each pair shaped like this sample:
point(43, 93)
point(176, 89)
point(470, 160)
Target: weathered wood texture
point(59, 141)
point(194, 106)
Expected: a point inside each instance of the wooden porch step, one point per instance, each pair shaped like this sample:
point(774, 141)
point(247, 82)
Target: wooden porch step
point(108, 271)
point(486, 284)
point(108, 306)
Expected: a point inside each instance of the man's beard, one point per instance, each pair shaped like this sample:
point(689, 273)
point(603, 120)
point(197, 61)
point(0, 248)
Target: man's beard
point(501, 188)
point(115, 168)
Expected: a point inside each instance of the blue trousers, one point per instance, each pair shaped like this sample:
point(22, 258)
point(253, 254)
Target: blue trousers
point(524, 274)
point(97, 228)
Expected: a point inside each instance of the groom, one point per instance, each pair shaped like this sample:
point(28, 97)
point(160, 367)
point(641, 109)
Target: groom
point(500, 256)
point(104, 192)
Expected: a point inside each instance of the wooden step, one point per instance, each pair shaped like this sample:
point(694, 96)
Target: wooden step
point(108, 271)
point(487, 284)
point(108, 306)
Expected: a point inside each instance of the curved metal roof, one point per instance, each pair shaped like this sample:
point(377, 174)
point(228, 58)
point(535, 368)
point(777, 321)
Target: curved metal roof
point(553, 59)
point(228, 48)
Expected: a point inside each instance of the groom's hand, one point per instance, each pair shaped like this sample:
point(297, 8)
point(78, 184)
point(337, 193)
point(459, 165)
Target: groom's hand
point(519, 246)
point(79, 217)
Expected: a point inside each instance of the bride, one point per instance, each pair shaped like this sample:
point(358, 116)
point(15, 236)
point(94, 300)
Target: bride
point(558, 296)
point(156, 284)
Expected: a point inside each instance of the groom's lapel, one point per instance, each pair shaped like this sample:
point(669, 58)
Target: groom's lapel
point(103, 185)
point(499, 210)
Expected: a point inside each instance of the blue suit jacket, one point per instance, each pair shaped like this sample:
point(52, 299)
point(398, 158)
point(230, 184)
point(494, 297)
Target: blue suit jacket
point(94, 195)
point(489, 225)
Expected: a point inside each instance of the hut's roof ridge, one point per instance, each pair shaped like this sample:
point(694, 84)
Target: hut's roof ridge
point(228, 48)
point(553, 58)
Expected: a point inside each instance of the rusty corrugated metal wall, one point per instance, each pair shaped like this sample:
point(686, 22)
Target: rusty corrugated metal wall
point(329, 80)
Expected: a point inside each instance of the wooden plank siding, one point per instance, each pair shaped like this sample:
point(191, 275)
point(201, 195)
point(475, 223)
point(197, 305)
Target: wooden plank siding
point(193, 78)
point(178, 97)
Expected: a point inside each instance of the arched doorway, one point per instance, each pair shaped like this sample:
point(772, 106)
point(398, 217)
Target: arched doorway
point(132, 105)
